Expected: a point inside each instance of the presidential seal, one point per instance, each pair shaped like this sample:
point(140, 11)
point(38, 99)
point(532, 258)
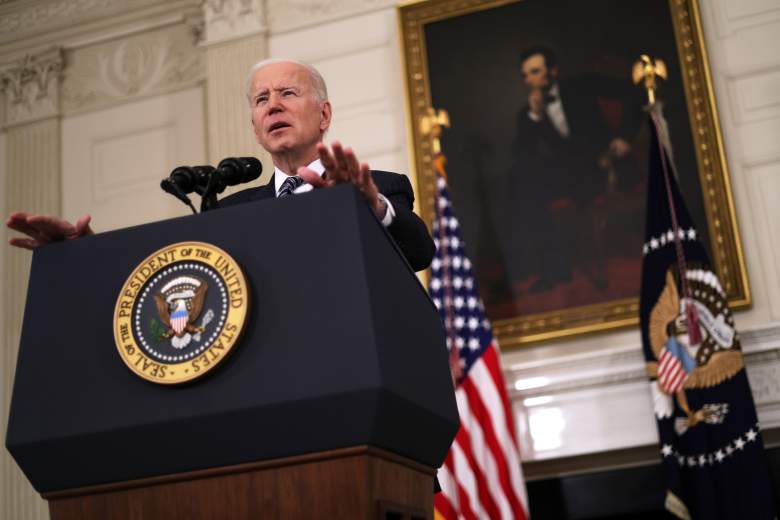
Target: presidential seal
point(180, 312)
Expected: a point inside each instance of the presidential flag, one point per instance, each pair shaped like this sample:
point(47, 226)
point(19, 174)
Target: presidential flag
point(481, 476)
point(710, 440)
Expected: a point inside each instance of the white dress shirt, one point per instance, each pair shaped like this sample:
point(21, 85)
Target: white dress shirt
point(555, 113)
point(316, 166)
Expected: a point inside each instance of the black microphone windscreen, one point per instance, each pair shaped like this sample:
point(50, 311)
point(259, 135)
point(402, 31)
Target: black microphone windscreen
point(238, 170)
point(184, 177)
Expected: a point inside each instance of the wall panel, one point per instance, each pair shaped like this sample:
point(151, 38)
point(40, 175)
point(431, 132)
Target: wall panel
point(757, 96)
point(766, 182)
point(113, 159)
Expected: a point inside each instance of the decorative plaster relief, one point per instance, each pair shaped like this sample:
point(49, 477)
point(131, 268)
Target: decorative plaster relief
point(31, 87)
point(141, 65)
point(232, 19)
point(285, 15)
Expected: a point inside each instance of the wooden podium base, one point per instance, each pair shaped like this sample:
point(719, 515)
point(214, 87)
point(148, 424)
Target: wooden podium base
point(361, 482)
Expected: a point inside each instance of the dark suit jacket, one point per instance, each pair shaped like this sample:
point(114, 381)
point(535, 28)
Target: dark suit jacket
point(407, 229)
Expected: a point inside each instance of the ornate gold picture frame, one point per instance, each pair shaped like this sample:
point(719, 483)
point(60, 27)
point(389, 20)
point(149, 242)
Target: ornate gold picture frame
point(465, 56)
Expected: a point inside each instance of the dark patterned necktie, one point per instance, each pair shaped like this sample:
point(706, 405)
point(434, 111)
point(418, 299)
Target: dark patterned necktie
point(289, 185)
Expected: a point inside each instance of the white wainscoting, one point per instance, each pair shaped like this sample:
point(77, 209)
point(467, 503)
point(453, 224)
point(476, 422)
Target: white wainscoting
point(601, 401)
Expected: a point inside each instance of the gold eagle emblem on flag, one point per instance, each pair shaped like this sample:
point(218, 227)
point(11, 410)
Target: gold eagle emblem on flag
point(682, 364)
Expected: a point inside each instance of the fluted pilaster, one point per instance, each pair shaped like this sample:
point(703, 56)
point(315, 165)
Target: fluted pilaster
point(32, 184)
point(235, 38)
point(229, 130)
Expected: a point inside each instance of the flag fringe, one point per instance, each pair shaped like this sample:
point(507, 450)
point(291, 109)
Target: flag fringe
point(676, 506)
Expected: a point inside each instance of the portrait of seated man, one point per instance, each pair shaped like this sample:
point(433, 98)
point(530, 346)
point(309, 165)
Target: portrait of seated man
point(572, 150)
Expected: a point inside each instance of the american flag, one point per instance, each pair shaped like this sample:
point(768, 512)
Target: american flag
point(481, 476)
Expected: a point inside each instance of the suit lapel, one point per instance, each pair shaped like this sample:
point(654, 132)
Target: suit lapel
point(266, 191)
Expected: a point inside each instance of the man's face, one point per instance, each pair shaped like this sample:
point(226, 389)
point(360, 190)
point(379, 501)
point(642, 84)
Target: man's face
point(286, 114)
point(536, 75)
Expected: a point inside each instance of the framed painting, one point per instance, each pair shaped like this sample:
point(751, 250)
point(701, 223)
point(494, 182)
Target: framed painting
point(547, 150)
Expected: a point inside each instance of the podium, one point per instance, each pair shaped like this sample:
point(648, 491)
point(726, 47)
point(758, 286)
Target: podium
point(336, 402)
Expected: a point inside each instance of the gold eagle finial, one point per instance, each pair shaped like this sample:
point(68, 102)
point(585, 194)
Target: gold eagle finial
point(648, 69)
point(431, 123)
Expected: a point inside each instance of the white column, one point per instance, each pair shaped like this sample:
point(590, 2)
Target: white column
point(32, 184)
point(235, 38)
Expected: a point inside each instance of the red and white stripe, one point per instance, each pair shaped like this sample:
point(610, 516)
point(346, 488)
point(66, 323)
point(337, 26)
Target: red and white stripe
point(481, 477)
point(178, 324)
point(671, 374)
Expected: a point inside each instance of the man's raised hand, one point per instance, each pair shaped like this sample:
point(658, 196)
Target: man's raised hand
point(43, 229)
point(341, 165)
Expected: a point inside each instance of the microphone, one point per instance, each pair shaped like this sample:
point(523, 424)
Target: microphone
point(207, 181)
point(229, 172)
point(238, 170)
point(189, 178)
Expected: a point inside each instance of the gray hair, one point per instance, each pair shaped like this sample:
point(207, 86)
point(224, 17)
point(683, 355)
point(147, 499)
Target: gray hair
point(317, 82)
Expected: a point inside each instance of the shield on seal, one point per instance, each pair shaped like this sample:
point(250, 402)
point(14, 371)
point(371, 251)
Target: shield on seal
point(180, 317)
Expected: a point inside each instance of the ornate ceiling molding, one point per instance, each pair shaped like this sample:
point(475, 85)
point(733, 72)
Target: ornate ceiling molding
point(18, 19)
point(31, 87)
point(26, 25)
point(288, 15)
point(227, 20)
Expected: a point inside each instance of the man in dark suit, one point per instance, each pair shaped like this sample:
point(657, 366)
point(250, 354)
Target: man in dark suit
point(563, 155)
point(290, 115)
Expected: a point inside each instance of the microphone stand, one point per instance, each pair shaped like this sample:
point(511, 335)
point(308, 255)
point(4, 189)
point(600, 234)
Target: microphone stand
point(208, 194)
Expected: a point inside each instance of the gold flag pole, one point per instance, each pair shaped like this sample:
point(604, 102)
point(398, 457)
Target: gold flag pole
point(431, 124)
point(647, 70)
